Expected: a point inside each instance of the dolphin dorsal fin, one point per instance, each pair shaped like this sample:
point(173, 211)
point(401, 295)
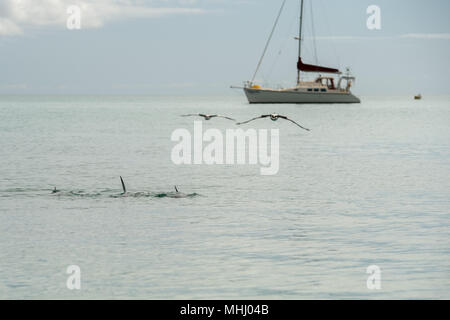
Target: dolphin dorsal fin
point(123, 185)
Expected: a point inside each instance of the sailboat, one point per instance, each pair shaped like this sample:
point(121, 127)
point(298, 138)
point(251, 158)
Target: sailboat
point(323, 89)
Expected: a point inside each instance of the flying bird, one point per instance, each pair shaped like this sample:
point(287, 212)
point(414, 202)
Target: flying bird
point(207, 116)
point(274, 117)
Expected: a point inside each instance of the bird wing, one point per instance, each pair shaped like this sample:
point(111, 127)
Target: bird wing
point(226, 117)
point(260, 117)
point(286, 118)
point(190, 115)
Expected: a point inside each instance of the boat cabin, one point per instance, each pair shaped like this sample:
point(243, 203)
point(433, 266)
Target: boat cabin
point(326, 82)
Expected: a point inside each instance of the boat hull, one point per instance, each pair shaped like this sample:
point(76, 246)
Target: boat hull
point(285, 96)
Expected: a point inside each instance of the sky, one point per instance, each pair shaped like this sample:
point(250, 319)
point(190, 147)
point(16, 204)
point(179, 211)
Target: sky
point(181, 47)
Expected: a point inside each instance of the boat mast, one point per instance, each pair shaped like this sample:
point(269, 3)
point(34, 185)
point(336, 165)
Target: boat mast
point(268, 41)
point(300, 39)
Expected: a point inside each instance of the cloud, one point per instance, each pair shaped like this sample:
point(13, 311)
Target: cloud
point(8, 27)
point(422, 36)
point(18, 15)
point(337, 38)
point(441, 36)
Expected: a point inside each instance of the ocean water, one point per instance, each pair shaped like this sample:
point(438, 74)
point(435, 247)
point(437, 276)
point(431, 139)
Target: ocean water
point(368, 185)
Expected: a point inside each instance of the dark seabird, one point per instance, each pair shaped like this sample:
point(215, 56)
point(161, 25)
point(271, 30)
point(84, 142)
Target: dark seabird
point(274, 117)
point(207, 116)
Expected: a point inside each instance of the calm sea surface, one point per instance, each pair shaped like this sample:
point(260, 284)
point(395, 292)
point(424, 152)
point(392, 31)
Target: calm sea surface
point(369, 185)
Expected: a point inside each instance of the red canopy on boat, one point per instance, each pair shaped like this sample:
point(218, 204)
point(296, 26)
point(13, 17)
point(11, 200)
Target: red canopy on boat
point(312, 68)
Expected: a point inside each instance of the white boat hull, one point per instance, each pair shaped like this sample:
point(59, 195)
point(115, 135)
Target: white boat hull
point(291, 96)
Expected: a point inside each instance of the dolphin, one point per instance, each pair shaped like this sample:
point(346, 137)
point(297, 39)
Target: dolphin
point(123, 186)
point(178, 194)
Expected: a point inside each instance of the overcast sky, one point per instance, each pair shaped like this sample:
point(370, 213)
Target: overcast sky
point(204, 46)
